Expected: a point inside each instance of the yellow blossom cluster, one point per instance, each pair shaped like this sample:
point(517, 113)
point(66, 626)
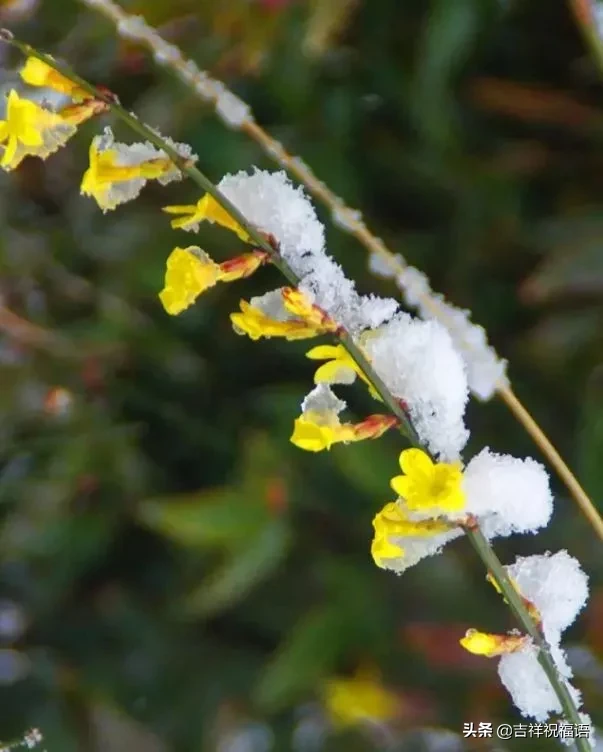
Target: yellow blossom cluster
point(291, 315)
point(430, 496)
point(32, 129)
point(117, 172)
point(431, 500)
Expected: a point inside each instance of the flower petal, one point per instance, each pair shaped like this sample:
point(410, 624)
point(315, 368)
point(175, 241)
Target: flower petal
point(311, 436)
point(382, 548)
point(189, 273)
point(324, 352)
point(416, 462)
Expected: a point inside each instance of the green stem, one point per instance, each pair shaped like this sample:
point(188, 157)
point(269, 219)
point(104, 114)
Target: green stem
point(486, 553)
point(480, 543)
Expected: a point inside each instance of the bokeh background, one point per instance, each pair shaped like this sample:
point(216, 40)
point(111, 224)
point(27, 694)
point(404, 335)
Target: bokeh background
point(174, 574)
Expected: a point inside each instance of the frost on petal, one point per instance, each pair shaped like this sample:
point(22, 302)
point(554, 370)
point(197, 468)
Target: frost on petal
point(415, 548)
point(271, 304)
point(529, 686)
point(485, 370)
point(555, 584)
point(322, 399)
point(506, 494)
point(129, 155)
point(419, 364)
point(118, 172)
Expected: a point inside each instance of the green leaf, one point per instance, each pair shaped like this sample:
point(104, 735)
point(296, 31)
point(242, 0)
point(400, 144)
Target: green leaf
point(310, 654)
point(368, 467)
point(219, 517)
point(246, 567)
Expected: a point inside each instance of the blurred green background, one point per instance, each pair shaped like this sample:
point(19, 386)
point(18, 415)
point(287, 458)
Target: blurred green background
point(174, 575)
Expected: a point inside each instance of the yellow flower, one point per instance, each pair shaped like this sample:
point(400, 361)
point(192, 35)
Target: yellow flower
point(315, 431)
point(295, 318)
point(112, 180)
point(118, 172)
point(190, 271)
point(300, 307)
point(392, 520)
point(35, 72)
point(491, 645)
point(341, 368)
point(207, 208)
point(359, 699)
point(427, 485)
point(30, 130)
point(256, 324)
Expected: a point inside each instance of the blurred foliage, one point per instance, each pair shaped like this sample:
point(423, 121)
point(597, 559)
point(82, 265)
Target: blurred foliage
point(173, 573)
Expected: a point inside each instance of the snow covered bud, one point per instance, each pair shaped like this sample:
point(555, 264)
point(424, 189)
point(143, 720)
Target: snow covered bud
point(281, 313)
point(319, 427)
point(506, 494)
point(340, 367)
point(30, 130)
point(190, 271)
point(556, 588)
point(118, 172)
point(392, 525)
point(36, 72)
point(491, 645)
point(427, 486)
point(206, 209)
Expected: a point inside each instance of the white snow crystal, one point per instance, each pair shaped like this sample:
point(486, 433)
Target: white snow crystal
point(419, 364)
point(328, 287)
point(416, 548)
point(506, 494)
point(274, 205)
point(529, 686)
point(555, 584)
point(485, 370)
point(322, 400)
point(165, 54)
point(133, 27)
point(345, 218)
point(380, 267)
point(231, 109)
point(271, 303)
